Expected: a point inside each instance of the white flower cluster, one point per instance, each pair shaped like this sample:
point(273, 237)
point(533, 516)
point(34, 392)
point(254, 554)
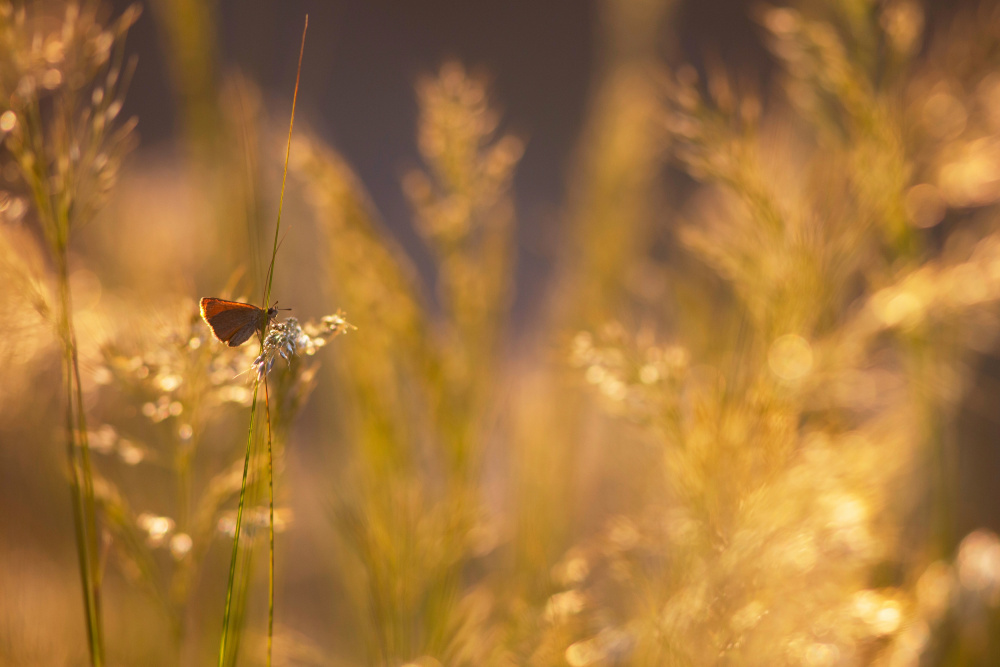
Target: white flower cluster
point(289, 338)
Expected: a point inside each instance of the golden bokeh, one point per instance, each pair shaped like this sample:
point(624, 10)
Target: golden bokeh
point(752, 421)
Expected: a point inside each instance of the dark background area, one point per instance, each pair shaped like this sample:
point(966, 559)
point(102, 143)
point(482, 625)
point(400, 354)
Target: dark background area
point(362, 60)
point(361, 63)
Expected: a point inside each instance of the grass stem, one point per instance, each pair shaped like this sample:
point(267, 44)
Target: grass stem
point(270, 526)
point(236, 532)
point(253, 411)
point(81, 472)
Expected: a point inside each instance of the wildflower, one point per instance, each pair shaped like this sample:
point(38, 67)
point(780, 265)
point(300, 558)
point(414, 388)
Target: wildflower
point(289, 339)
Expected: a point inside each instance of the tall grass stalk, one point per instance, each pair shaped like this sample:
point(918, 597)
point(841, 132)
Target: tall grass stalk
point(81, 472)
point(270, 525)
point(61, 119)
point(56, 221)
point(236, 535)
point(251, 432)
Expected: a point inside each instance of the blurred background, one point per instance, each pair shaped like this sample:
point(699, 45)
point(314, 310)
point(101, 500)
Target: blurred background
point(676, 331)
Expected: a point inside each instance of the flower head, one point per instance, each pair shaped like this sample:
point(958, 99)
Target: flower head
point(288, 339)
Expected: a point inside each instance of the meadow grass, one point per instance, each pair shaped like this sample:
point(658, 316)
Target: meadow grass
point(732, 437)
point(57, 160)
point(264, 368)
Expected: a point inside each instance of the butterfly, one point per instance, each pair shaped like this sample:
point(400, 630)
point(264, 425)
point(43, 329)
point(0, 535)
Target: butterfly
point(233, 322)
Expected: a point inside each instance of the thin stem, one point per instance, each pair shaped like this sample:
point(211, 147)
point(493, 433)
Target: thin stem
point(239, 523)
point(84, 512)
point(270, 526)
point(79, 521)
point(88, 475)
point(253, 410)
point(245, 559)
point(284, 175)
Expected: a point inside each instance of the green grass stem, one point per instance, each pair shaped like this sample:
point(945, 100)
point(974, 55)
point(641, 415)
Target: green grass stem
point(227, 617)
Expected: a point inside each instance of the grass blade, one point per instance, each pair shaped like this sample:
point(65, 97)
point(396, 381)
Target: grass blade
point(236, 535)
point(227, 617)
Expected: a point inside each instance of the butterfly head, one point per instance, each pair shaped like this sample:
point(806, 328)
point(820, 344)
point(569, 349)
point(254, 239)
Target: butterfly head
point(272, 312)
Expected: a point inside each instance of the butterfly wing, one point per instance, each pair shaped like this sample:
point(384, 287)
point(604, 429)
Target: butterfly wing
point(242, 334)
point(232, 322)
point(210, 306)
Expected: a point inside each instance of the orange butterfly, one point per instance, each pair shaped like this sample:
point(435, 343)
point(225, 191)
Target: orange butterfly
point(233, 322)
